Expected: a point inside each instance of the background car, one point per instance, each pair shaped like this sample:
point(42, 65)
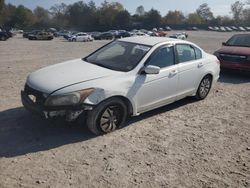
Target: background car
point(4, 35)
point(80, 37)
point(104, 36)
point(235, 53)
point(181, 36)
point(27, 33)
point(120, 79)
point(123, 34)
point(41, 36)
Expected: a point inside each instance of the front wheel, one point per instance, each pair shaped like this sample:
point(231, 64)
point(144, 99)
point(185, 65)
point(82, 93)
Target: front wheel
point(107, 116)
point(204, 88)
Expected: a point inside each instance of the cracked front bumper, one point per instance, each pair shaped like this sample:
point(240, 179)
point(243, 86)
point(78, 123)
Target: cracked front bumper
point(70, 112)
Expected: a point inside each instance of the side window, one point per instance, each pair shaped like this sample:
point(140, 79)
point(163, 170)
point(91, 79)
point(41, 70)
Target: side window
point(185, 53)
point(198, 53)
point(163, 57)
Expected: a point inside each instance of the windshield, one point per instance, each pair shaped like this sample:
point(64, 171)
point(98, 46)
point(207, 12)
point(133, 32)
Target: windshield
point(118, 55)
point(239, 40)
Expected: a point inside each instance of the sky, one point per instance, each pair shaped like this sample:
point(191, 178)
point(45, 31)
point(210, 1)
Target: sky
point(218, 7)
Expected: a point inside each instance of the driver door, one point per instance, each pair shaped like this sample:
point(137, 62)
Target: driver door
point(158, 89)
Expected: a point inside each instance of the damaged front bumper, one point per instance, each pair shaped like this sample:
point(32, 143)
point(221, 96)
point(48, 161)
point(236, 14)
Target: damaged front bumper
point(70, 113)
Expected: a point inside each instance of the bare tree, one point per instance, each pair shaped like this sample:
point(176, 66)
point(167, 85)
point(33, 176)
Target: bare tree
point(237, 10)
point(140, 11)
point(205, 13)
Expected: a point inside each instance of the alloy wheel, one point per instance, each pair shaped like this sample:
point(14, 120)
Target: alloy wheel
point(205, 87)
point(111, 118)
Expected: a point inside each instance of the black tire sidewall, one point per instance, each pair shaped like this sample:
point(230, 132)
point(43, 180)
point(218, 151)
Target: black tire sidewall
point(198, 95)
point(95, 114)
point(3, 38)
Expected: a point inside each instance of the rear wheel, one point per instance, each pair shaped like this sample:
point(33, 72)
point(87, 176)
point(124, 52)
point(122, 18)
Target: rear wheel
point(204, 87)
point(107, 116)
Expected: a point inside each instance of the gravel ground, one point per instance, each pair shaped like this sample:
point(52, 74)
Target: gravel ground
point(185, 144)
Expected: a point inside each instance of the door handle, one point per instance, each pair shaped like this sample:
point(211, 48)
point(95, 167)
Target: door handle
point(200, 65)
point(173, 73)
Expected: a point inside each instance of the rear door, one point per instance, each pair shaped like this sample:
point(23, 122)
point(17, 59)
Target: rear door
point(190, 68)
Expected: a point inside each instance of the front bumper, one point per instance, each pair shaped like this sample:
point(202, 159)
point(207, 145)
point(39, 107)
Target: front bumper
point(235, 65)
point(70, 112)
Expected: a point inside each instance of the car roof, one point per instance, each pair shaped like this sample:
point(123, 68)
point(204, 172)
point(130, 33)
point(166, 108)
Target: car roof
point(149, 41)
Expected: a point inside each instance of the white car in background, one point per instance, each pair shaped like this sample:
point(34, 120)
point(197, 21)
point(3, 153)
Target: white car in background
point(181, 36)
point(81, 37)
point(124, 78)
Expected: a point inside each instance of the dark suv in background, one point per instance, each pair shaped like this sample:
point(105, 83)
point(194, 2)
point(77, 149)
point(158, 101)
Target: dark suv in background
point(4, 35)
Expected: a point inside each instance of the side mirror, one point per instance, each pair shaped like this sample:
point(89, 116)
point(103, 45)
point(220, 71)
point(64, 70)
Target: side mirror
point(224, 43)
point(151, 69)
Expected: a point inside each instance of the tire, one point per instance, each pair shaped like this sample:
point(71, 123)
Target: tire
point(204, 87)
point(107, 116)
point(3, 38)
point(73, 40)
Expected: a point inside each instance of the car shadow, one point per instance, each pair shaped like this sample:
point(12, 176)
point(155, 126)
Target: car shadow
point(234, 77)
point(22, 133)
point(161, 110)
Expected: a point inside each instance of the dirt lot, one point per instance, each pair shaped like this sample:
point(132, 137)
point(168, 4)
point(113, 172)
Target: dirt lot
point(186, 144)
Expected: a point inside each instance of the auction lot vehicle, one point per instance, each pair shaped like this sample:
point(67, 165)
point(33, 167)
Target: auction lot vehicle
point(104, 36)
point(80, 37)
point(34, 32)
point(181, 36)
point(41, 36)
point(123, 34)
point(124, 78)
point(235, 53)
point(4, 35)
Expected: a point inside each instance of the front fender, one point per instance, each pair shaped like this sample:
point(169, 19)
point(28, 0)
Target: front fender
point(100, 95)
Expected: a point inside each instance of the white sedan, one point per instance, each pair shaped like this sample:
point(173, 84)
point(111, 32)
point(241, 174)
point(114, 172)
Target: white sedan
point(124, 78)
point(81, 37)
point(182, 36)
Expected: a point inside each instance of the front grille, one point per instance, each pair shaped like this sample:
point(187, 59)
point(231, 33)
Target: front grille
point(233, 58)
point(39, 98)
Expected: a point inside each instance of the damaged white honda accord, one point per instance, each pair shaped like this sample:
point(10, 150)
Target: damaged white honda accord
point(123, 78)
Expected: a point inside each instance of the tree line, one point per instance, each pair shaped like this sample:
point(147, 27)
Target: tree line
point(86, 16)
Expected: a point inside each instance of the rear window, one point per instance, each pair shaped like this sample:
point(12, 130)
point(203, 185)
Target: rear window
point(185, 53)
point(198, 53)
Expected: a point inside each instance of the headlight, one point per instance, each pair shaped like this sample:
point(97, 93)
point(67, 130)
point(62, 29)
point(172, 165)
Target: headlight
point(73, 98)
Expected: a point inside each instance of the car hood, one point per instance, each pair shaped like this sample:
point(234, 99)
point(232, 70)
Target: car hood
point(235, 50)
point(55, 77)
